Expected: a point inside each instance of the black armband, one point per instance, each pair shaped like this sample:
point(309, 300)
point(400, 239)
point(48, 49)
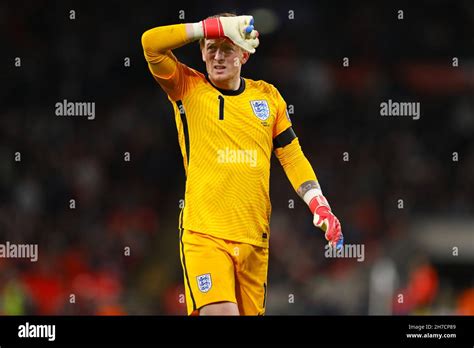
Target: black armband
point(284, 138)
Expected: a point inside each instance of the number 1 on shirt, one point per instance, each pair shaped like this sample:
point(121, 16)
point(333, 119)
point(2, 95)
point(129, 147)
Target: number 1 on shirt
point(221, 107)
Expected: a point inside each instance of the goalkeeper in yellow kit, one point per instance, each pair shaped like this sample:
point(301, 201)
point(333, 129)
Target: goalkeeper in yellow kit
point(228, 127)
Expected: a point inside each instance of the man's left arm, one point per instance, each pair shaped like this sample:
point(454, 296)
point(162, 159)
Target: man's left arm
point(303, 179)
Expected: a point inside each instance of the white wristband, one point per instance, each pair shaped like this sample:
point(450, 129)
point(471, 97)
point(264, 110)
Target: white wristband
point(198, 30)
point(308, 196)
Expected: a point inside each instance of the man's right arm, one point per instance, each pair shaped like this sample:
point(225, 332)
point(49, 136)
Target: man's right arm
point(158, 42)
point(157, 45)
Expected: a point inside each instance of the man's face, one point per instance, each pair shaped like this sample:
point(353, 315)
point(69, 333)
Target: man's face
point(223, 59)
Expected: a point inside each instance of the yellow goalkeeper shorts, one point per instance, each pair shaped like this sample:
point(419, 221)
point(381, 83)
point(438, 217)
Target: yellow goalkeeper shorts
point(218, 270)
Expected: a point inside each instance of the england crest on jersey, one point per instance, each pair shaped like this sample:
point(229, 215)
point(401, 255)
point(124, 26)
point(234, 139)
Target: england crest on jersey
point(260, 109)
point(204, 282)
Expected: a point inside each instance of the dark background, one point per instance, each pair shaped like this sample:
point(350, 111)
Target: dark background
point(418, 259)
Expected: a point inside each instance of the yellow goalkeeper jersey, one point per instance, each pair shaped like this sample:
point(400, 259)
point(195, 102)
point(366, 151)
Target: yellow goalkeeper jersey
point(226, 139)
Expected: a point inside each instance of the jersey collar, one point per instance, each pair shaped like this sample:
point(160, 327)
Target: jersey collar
point(229, 91)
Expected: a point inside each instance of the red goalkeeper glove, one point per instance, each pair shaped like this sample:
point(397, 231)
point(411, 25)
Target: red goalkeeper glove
point(238, 29)
point(326, 220)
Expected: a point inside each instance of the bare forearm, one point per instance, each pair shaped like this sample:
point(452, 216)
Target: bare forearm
point(306, 187)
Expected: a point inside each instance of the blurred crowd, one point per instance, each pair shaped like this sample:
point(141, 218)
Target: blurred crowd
point(115, 249)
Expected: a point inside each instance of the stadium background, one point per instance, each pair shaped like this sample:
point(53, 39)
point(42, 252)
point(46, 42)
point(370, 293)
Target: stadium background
point(418, 259)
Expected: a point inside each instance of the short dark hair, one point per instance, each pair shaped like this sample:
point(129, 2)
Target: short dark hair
point(223, 14)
